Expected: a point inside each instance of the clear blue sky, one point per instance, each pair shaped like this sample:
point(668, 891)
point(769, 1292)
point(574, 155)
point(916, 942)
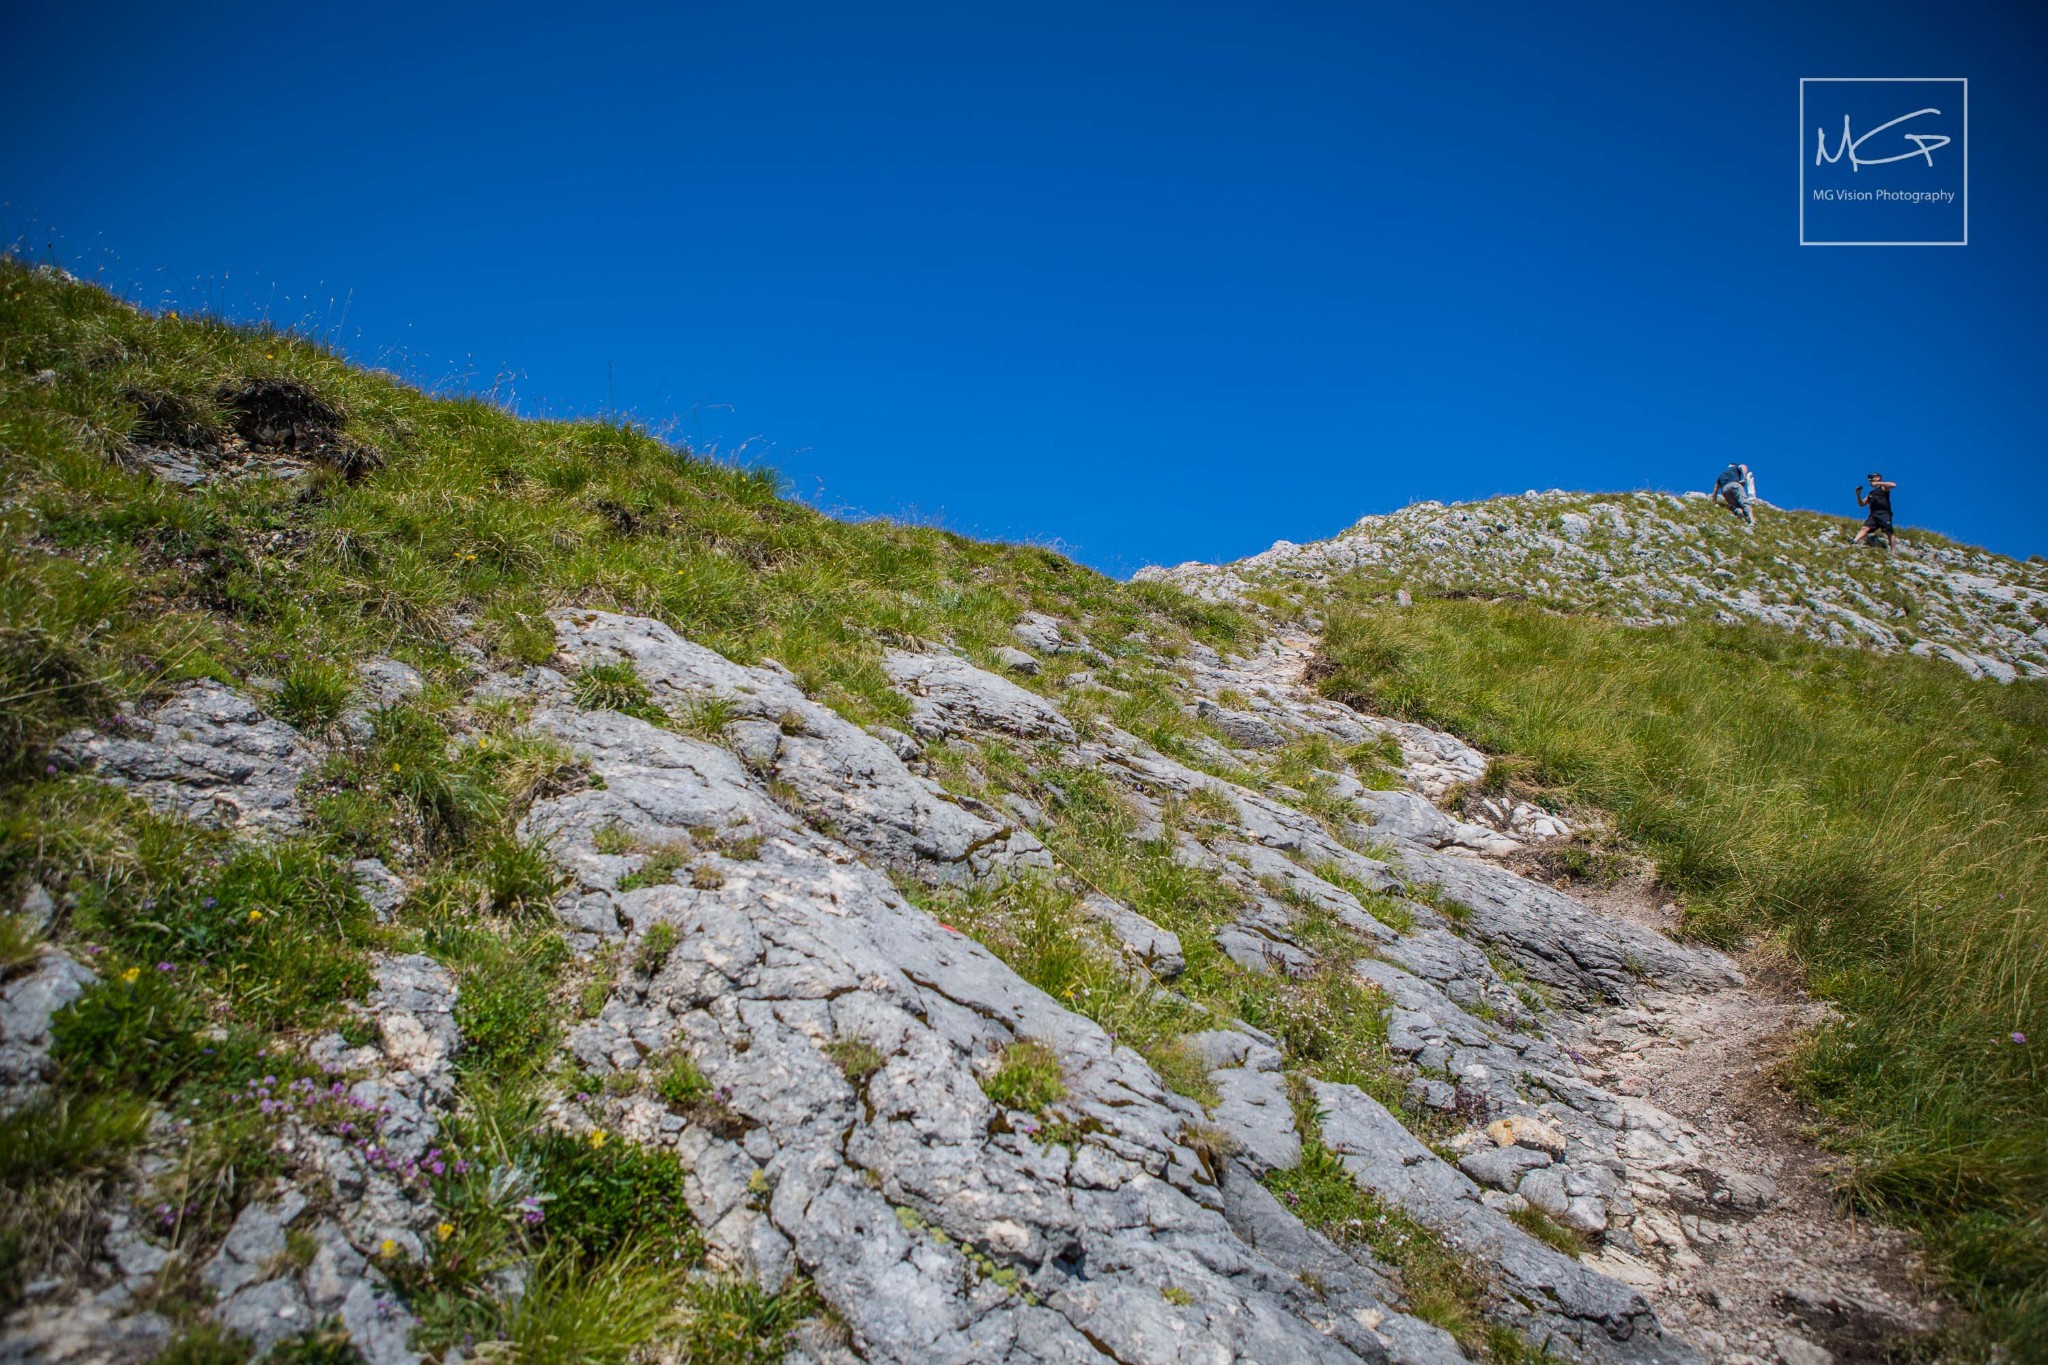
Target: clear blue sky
point(1150, 283)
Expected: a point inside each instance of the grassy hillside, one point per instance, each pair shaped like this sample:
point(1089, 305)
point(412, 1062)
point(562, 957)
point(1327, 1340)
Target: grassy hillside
point(340, 514)
point(422, 521)
point(1885, 814)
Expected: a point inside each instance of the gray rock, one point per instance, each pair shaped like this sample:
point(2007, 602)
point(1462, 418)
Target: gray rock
point(136, 1258)
point(900, 744)
point(755, 742)
point(1252, 1107)
point(1431, 1093)
point(383, 889)
point(805, 944)
point(27, 1003)
point(1035, 630)
point(1579, 1310)
point(414, 1002)
point(267, 1313)
point(531, 683)
point(207, 754)
point(1794, 1349)
point(36, 907)
point(1243, 729)
point(1159, 949)
point(387, 681)
point(1558, 941)
point(950, 696)
point(1352, 1291)
point(1254, 951)
point(837, 773)
point(1502, 1167)
point(256, 1239)
point(378, 1324)
point(1016, 660)
point(99, 1329)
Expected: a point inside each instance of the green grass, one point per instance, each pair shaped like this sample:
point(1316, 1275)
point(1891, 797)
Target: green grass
point(857, 1059)
point(1029, 1078)
point(58, 1158)
point(1885, 815)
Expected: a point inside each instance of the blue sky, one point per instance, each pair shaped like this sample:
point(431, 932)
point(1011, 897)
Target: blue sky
point(1150, 283)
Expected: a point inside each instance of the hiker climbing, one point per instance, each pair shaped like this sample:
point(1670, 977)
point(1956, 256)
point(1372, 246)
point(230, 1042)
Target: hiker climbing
point(1736, 488)
point(1879, 501)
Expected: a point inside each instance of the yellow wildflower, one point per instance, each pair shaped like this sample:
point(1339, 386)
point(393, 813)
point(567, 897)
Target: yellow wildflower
point(388, 1249)
point(130, 975)
point(255, 915)
point(597, 1137)
point(444, 1231)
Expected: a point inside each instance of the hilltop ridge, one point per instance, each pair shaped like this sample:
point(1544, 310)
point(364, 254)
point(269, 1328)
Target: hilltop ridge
point(1658, 558)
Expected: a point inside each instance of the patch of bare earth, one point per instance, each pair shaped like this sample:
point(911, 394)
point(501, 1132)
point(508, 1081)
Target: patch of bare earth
point(1781, 1270)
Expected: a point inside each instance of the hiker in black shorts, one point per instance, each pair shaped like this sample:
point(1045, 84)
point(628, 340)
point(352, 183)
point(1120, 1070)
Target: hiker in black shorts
point(1879, 502)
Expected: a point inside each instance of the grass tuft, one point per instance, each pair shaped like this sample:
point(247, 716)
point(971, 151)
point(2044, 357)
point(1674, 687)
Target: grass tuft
point(1029, 1078)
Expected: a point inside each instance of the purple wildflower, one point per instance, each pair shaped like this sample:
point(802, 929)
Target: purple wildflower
point(2018, 1037)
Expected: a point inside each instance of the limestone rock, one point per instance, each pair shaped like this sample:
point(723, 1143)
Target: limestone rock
point(1502, 1167)
point(950, 696)
point(1585, 1312)
point(387, 681)
point(27, 1003)
point(1159, 949)
point(1252, 1107)
point(835, 771)
point(383, 889)
point(1016, 660)
point(1531, 1133)
point(208, 754)
point(1244, 729)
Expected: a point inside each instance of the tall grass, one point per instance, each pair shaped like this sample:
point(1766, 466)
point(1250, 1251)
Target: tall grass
point(1886, 815)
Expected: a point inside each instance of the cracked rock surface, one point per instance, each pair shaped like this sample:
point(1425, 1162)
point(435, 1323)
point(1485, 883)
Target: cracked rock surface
point(207, 753)
point(899, 1197)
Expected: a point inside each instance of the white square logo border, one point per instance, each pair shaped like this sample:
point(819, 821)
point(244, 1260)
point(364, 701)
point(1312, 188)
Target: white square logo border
point(1805, 81)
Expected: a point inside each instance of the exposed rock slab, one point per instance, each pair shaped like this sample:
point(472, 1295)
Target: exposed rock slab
point(804, 944)
point(208, 754)
point(833, 769)
point(1575, 1311)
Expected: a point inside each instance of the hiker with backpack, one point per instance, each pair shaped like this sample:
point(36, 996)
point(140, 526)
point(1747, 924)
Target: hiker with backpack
point(1736, 489)
point(1879, 522)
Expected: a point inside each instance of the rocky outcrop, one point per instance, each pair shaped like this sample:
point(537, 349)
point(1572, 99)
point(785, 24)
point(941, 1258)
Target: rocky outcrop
point(207, 753)
point(1650, 558)
point(28, 1002)
point(938, 1225)
point(832, 769)
point(775, 849)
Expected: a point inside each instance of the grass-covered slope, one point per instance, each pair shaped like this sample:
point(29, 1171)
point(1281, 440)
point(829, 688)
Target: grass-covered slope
point(420, 522)
point(184, 499)
point(1886, 814)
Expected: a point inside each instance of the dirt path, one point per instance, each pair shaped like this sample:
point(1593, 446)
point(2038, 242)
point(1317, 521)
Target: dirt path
point(1757, 1261)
